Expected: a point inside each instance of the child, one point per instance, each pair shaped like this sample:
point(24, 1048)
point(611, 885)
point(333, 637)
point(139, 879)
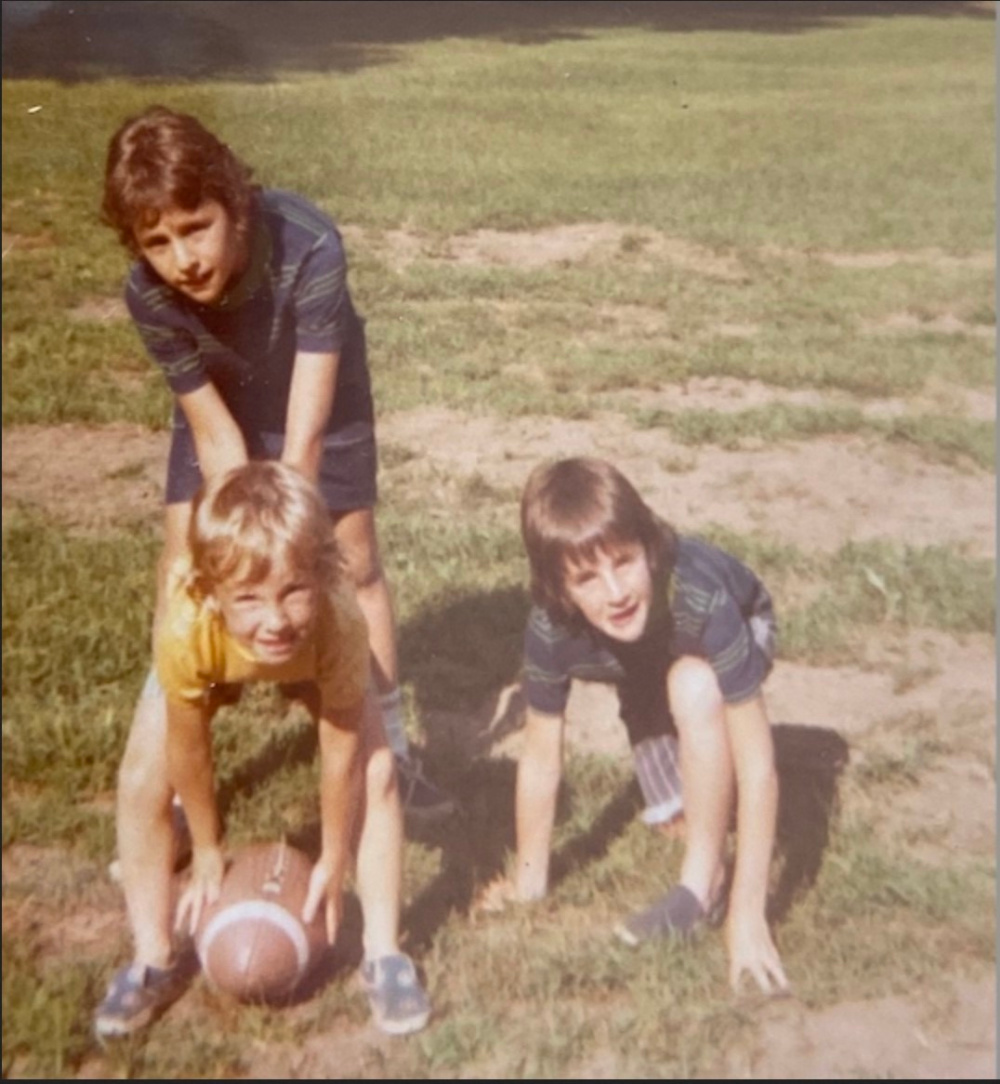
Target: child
point(261, 597)
point(686, 631)
point(240, 296)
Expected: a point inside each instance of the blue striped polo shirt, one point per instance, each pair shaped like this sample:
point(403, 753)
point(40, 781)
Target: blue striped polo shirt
point(717, 609)
point(292, 297)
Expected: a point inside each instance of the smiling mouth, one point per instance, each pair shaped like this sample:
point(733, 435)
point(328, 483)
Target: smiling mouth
point(196, 283)
point(277, 647)
point(622, 617)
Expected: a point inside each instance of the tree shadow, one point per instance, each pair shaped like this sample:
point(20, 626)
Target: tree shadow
point(256, 39)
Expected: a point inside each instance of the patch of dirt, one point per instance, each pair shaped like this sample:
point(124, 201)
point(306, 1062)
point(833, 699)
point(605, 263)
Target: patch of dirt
point(603, 242)
point(100, 310)
point(929, 257)
point(61, 904)
point(25, 242)
point(554, 246)
point(943, 1034)
point(946, 324)
point(731, 395)
point(338, 1054)
point(816, 495)
point(90, 479)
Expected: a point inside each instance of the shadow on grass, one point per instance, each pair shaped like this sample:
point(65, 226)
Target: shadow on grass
point(475, 843)
point(458, 651)
point(810, 761)
point(222, 39)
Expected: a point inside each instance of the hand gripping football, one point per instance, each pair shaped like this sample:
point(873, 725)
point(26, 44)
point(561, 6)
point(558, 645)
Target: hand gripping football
point(252, 941)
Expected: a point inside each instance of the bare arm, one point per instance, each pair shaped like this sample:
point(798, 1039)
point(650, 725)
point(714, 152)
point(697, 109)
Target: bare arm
point(310, 400)
point(218, 441)
point(538, 773)
point(189, 769)
point(340, 790)
point(751, 947)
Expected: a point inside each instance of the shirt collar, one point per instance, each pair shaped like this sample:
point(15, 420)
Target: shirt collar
point(255, 275)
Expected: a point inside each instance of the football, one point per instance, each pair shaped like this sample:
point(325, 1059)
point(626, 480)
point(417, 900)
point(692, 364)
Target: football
point(252, 942)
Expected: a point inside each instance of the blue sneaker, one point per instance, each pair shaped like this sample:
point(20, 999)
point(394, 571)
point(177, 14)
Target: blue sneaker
point(399, 1004)
point(677, 914)
point(136, 996)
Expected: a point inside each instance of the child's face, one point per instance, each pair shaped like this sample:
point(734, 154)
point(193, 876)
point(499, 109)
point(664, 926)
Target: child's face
point(199, 253)
point(613, 591)
point(272, 617)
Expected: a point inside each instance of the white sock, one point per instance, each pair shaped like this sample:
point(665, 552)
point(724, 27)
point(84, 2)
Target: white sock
point(391, 704)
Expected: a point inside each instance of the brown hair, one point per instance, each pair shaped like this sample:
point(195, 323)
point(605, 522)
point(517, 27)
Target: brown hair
point(573, 508)
point(253, 516)
point(161, 159)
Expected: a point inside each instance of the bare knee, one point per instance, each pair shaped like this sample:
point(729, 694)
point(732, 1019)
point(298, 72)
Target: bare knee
point(694, 692)
point(142, 782)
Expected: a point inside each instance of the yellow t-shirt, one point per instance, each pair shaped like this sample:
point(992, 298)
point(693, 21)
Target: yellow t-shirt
point(195, 651)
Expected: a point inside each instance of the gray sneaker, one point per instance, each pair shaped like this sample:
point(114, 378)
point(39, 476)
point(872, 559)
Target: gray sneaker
point(420, 797)
point(399, 1004)
point(677, 914)
point(136, 996)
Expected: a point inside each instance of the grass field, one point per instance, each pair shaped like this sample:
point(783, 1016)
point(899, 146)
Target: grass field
point(745, 250)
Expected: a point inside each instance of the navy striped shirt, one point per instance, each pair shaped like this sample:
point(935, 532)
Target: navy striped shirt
point(292, 297)
point(717, 610)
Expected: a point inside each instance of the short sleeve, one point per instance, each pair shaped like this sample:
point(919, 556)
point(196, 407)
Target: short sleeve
point(545, 679)
point(736, 656)
point(164, 333)
point(183, 650)
point(321, 301)
point(343, 655)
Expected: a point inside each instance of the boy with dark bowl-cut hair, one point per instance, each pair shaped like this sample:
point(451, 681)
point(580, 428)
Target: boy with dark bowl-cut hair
point(686, 632)
point(240, 295)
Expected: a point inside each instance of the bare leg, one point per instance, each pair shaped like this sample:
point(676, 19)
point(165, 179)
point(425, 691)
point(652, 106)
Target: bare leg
point(707, 772)
point(355, 533)
point(146, 840)
point(145, 830)
point(380, 849)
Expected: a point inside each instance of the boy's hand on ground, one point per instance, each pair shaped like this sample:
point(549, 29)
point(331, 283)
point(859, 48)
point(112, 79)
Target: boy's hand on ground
point(752, 950)
point(207, 869)
point(320, 888)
